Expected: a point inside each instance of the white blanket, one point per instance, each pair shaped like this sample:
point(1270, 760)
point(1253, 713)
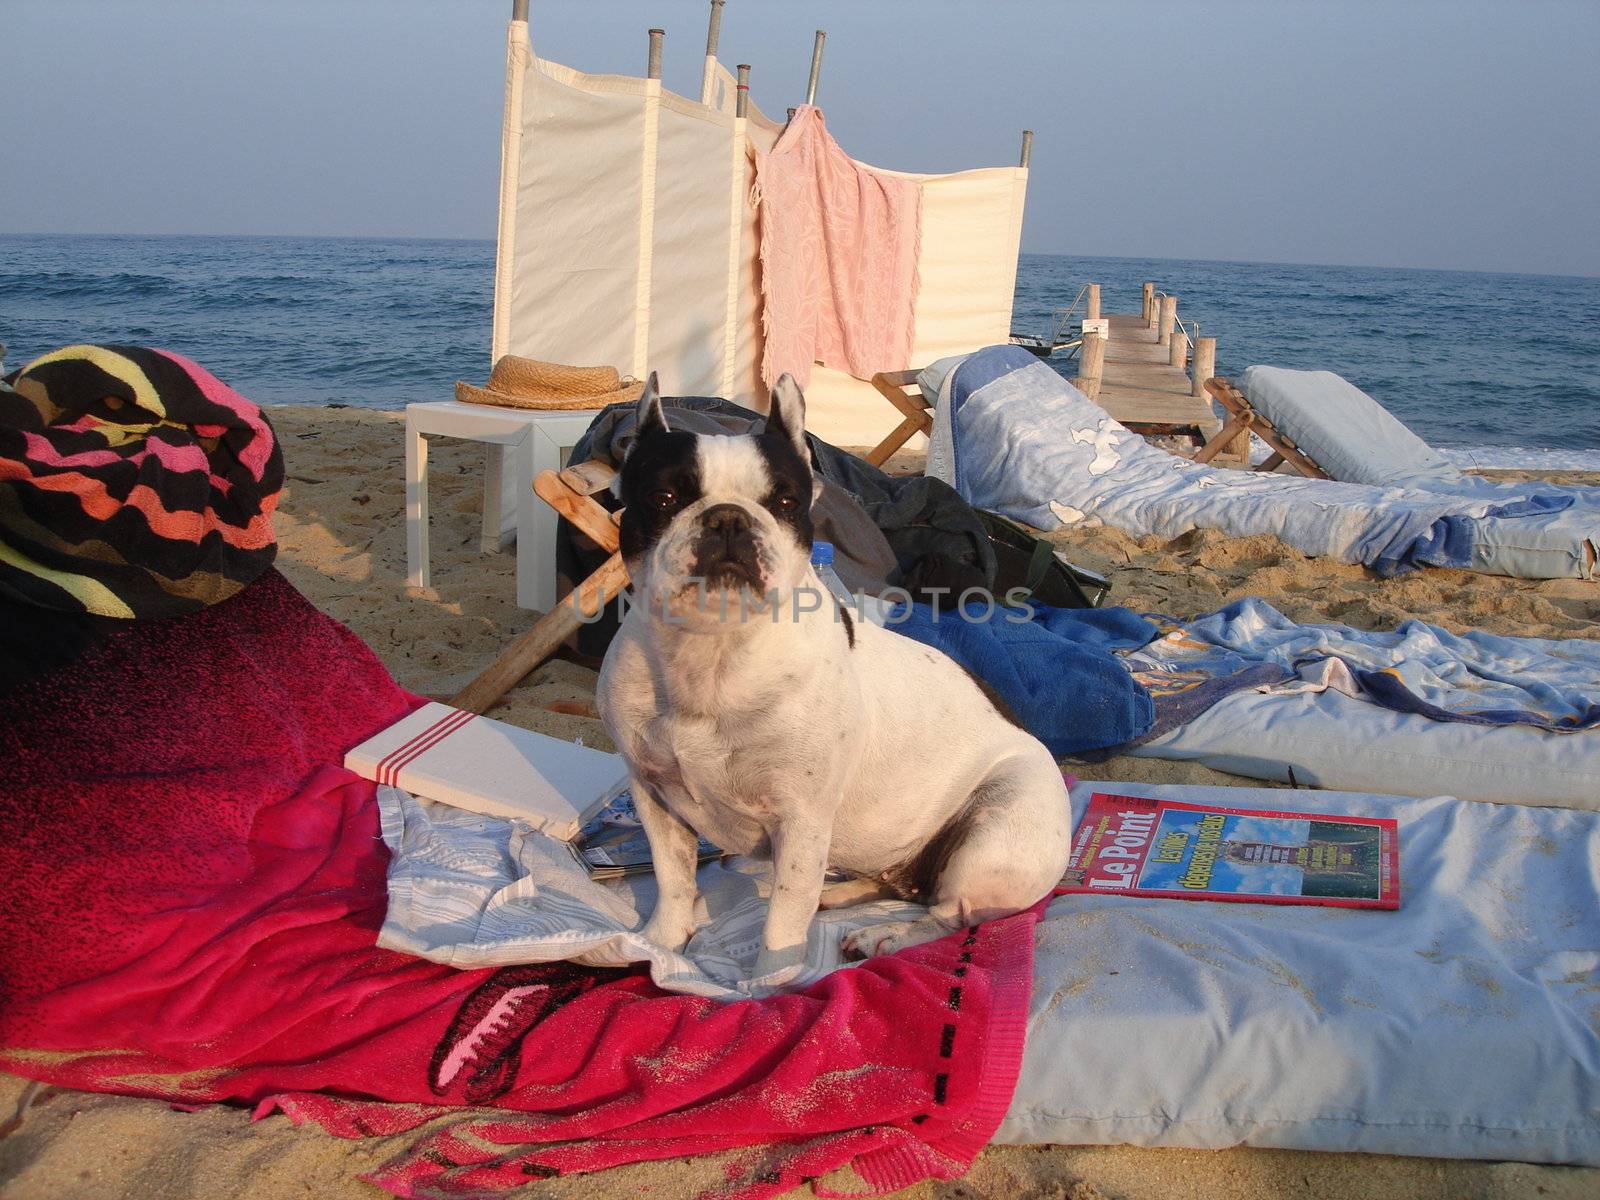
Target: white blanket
point(1464, 1025)
point(477, 891)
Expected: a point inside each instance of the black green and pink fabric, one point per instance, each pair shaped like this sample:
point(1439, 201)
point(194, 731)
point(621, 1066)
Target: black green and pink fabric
point(133, 484)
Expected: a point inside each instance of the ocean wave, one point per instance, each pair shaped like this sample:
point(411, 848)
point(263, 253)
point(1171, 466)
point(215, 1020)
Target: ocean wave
point(1522, 458)
point(71, 285)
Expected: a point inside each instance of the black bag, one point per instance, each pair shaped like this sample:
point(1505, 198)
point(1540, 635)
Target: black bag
point(1033, 565)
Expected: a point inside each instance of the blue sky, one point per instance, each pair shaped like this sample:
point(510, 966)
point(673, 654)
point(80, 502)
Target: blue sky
point(1431, 133)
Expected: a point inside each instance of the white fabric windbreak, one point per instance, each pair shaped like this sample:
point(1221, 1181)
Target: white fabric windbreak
point(628, 237)
point(621, 249)
point(688, 316)
point(971, 232)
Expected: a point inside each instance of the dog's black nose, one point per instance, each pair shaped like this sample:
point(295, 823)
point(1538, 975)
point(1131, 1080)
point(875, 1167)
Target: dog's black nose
point(726, 519)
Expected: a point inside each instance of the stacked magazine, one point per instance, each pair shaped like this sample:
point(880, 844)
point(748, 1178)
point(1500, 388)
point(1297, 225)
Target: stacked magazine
point(613, 844)
point(1135, 846)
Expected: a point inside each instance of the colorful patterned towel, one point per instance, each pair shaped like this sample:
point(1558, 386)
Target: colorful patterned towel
point(133, 484)
point(839, 247)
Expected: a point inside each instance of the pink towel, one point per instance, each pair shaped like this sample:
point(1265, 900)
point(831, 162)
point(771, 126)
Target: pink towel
point(839, 246)
point(193, 890)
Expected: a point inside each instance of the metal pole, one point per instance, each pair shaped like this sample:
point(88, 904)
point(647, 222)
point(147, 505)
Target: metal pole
point(1027, 148)
point(714, 30)
point(816, 66)
point(653, 71)
point(742, 104)
point(519, 10)
point(713, 35)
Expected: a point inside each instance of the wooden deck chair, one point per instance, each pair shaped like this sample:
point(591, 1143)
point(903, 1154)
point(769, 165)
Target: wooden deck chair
point(900, 389)
point(1243, 419)
point(916, 411)
point(571, 493)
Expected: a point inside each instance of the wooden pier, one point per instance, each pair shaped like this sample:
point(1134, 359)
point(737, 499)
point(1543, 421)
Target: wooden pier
point(1148, 370)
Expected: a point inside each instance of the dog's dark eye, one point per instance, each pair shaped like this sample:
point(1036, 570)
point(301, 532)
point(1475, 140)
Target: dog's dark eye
point(663, 499)
point(786, 504)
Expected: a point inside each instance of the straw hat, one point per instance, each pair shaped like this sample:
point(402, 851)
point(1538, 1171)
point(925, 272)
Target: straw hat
point(518, 382)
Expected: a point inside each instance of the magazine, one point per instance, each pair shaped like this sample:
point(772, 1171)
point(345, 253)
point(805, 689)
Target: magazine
point(1142, 847)
point(613, 844)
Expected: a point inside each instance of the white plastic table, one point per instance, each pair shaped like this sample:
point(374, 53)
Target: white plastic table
point(527, 441)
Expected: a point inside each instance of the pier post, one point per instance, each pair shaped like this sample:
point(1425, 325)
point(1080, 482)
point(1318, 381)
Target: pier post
point(653, 68)
point(1091, 364)
point(1091, 311)
point(1179, 349)
point(1169, 314)
point(1205, 364)
point(1147, 309)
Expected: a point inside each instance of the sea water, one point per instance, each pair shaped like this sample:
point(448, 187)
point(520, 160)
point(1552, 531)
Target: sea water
point(1491, 367)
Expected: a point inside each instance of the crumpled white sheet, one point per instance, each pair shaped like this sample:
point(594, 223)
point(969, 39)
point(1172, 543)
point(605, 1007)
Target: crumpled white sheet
point(477, 891)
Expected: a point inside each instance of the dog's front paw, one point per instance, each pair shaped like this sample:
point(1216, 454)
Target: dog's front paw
point(669, 933)
point(872, 940)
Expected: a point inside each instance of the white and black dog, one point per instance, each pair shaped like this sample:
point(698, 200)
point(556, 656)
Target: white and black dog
point(752, 709)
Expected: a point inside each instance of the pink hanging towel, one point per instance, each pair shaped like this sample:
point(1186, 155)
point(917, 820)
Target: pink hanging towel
point(839, 246)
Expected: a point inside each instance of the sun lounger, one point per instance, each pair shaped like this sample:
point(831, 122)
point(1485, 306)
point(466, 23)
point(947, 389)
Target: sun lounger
point(1244, 419)
point(1016, 438)
point(913, 394)
point(1327, 428)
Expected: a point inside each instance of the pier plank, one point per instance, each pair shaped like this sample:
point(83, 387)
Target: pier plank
point(1141, 388)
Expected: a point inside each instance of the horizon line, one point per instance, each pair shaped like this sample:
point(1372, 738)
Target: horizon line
point(489, 241)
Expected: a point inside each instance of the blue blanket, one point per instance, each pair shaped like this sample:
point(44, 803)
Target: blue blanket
point(1015, 437)
point(1477, 677)
point(1086, 682)
point(1058, 672)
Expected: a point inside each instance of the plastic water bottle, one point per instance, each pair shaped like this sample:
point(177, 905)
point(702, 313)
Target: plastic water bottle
point(868, 608)
point(822, 564)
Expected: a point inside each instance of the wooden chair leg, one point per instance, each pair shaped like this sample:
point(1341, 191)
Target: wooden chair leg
point(1271, 463)
point(1224, 437)
point(886, 449)
point(547, 634)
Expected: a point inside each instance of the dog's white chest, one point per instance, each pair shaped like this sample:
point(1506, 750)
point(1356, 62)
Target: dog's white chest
point(716, 786)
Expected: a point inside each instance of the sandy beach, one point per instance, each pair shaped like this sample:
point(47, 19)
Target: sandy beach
point(342, 543)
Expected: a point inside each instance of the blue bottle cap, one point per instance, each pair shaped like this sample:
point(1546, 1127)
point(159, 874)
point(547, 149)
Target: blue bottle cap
point(821, 554)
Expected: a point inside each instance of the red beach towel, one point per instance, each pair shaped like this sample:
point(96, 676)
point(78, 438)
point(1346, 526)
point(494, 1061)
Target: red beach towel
point(193, 893)
point(839, 247)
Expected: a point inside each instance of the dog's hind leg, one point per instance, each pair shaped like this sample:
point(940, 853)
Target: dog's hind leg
point(1011, 847)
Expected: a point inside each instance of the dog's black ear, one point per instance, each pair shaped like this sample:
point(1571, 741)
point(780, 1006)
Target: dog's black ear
point(650, 417)
point(786, 416)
